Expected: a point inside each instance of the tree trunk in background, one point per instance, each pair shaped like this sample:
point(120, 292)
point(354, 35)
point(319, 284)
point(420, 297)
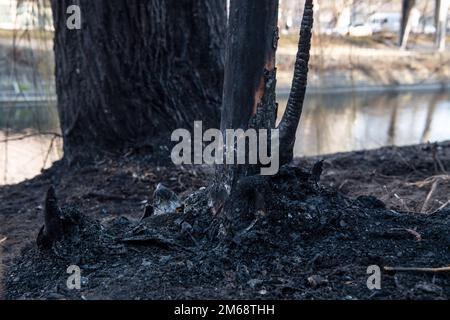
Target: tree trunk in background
point(136, 71)
point(405, 26)
point(441, 16)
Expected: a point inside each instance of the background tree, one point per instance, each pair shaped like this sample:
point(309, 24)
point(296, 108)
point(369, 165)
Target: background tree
point(441, 16)
point(136, 71)
point(405, 24)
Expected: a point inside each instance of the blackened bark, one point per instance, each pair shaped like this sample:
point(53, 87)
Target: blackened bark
point(136, 71)
point(252, 42)
point(250, 73)
point(240, 196)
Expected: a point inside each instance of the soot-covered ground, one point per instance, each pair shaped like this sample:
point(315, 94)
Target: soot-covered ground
point(304, 240)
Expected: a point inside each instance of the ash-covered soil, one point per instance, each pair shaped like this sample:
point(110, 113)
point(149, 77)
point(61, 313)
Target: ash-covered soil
point(303, 240)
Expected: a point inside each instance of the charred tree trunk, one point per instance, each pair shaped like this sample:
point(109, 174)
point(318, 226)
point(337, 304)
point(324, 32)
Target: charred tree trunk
point(405, 26)
point(441, 16)
point(250, 73)
point(249, 99)
point(136, 71)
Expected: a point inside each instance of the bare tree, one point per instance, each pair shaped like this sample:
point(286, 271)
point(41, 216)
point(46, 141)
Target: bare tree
point(441, 16)
point(405, 26)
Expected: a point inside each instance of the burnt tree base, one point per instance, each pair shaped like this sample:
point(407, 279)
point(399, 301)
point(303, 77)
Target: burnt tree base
point(290, 239)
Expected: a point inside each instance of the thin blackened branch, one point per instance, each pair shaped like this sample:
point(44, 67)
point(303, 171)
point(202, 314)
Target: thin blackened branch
point(289, 123)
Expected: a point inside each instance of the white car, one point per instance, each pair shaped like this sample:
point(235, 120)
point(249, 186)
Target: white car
point(429, 29)
point(360, 30)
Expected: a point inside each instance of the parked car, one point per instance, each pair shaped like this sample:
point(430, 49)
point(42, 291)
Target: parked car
point(360, 30)
point(385, 22)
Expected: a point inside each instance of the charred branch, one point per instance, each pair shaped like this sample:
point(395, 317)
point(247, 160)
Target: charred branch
point(289, 123)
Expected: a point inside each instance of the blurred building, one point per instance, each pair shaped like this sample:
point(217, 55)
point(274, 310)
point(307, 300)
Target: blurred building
point(358, 17)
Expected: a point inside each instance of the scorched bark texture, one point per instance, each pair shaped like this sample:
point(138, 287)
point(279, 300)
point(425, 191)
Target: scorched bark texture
point(136, 71)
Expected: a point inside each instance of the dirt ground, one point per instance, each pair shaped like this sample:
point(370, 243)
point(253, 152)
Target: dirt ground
point(312, 242)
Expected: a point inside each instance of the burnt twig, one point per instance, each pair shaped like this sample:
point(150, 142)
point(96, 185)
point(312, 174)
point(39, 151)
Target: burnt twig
point(412, 269)
point(289, 123)
point(428, 198)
